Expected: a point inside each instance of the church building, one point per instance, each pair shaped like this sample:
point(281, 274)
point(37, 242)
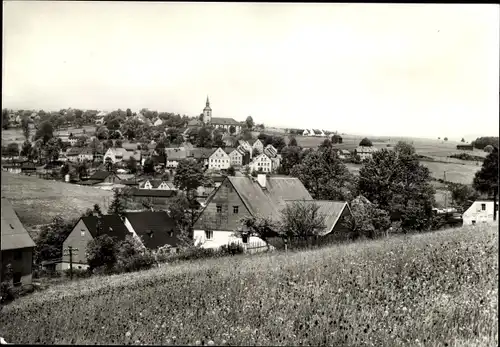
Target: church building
point(216, 122)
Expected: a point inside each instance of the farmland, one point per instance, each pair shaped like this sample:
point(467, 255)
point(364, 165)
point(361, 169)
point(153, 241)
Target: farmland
point(37, 201)
point(16, 134)
point(435, 289)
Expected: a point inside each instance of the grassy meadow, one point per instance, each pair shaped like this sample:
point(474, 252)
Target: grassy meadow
point(434, 289)
point(37, 200)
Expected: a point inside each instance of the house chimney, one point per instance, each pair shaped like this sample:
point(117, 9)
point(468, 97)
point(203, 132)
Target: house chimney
point(261, 178)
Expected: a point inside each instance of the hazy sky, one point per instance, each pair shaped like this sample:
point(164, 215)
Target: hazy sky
point(411, 70)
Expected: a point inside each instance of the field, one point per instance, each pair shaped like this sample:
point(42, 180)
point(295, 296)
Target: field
point(16, 134)
point(435, 289)
point(37, 201)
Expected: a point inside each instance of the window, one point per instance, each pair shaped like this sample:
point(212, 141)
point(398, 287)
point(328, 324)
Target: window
point(16, 278)
point(483, 207)
point(209, 234)
point(171, 233)
point(235, 209)
point(219, 208)
point(82, 232)
point(473, 222)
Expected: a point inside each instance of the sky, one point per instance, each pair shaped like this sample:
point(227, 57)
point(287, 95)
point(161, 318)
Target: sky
point(422, 70)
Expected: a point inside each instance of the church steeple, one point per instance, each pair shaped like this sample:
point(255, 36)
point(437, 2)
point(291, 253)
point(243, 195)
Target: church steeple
point(208, 102)
point(207, 113)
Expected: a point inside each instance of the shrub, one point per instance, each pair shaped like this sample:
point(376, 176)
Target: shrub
point(232, 249)
point(78, 273)
point(366, 142)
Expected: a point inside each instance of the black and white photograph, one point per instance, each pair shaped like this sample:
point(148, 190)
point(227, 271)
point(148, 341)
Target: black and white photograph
point(249, 174)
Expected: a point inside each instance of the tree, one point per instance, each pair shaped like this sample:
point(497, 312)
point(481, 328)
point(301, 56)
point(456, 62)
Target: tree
point(446, 139)
point(326, 144)
point(231, 171)
point(26, 149)
point(488, 148)
point(149, 166)
point(325, 176)
point(302, 219)
point(255, 152)
point(102, 133)
point(132, 165)
point(232, 129)
point(189, 175)
point(462, 195)
point(366, 142)
point(45, 132)
point(129, 113)
point(249, 122)
point(261, 227)
point(290, 156)
point(64, 170)
point(81, 170)
point(109, 143)
point(117, 205)
point(398, 184)
point(12, 150)
point(336, 139)
point(278, 142)
point(366, 219)
point(49, 243)
point(463, 140)
point(52, 149)
point(486, 180)
point(5, 119)
point(25, 125)
point(82, 140)
point(101, 252)
point(118, 143)
point(482, 142)
point(95, 211)
point(246, 135)
point(293, 142)
point(204, 138)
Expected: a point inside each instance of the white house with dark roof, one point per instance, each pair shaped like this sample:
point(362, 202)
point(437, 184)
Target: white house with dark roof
point(117, 155)
point(480, 212)
point(16, 246)
point(261, 163)
point(365, 152)
point(219, 222)
point(236, 157)
point(219, 160)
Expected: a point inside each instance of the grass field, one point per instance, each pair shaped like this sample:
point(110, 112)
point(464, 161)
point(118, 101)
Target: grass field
point(435, 289)
point(37, 201)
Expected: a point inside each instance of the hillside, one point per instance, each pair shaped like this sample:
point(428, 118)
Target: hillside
point(37, 201)
point(435, 289)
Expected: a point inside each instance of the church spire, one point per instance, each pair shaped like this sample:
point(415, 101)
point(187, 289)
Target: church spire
point(208, 102)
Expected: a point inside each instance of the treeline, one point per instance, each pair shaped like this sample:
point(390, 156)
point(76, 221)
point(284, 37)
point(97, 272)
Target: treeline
point(482, 142)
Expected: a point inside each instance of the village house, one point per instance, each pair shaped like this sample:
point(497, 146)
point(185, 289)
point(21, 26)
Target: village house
point(153, 229)
point(365, 152)
point(261, 163)
point(343, 154)
point(158, 122)
point(150, 197)
point(219, 160)
point(16, 246)
point(257, 145)
point(73, 153)
point(238, 197)
point(157, 184)
point(481, 211)
point(174, 156)
point(12, 167)
point(103, 179)
point(246, 146)
point(86, 154)
point(201, 155)
point(117, 155)
point(87, 229)
point(236, 157)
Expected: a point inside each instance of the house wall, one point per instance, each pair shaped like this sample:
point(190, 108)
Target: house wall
point(76, 266)
point(223, 238)
point(262, 162)
point(22, 265)
point(236, 158)
point(219, 160)
point(477, 215)
point(77, 241)
point(226, 197)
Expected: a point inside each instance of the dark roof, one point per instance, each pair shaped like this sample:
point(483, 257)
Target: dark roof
point(90, 182)
point(153, 193)
point(87, 151)
point(154, 228)
point(100, 175)
point(73, 151)
point(111, 225)
point(194, 122)
point(130, 182)
point(13, 233)
point(175, 153)
point(224, 121)
point(201, 153)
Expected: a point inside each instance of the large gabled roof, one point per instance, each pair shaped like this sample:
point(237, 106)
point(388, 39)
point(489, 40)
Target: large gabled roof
point(13, 233)
point(111, 225)
point(224, 121)
point(154, 228)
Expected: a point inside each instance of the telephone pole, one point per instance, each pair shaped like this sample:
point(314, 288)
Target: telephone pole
point(69, 251)
point(446, 193)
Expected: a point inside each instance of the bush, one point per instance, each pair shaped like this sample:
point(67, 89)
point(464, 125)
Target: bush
point(232, 249)
point(366, 142)
point(135, 262)
point(78, 273)
point(7, 292)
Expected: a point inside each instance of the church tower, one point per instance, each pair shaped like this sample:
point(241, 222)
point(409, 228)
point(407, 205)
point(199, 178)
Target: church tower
point(207, 113)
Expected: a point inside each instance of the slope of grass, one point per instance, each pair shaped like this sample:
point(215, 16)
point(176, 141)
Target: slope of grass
point(37, 201)
point(436, 289)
